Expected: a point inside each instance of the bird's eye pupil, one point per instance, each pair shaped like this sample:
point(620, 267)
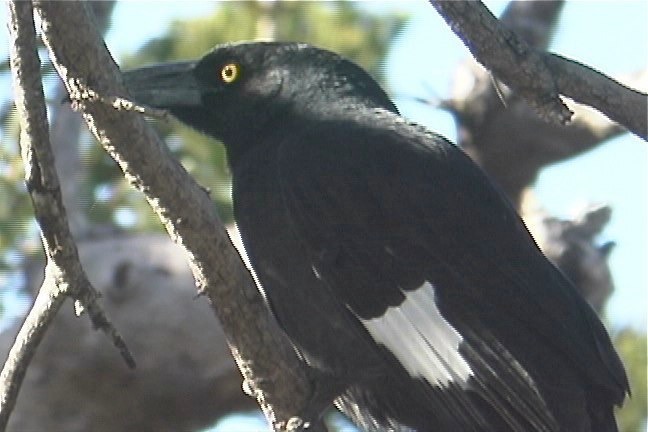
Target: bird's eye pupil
point(230, 73)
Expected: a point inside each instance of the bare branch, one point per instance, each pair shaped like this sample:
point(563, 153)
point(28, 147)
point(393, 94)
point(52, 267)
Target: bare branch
point(64, 275)
point(583, 84)
point(267, 361)
point(509, 58)
point(596, 125)
point(540, 77)
point(47, 304)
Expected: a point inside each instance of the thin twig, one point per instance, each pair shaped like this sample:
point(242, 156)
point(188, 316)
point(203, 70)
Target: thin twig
point(64, 276)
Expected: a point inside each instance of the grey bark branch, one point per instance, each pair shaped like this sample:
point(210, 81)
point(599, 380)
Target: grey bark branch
point(510, 142)
point(541, 77)
point(264, 356)
point(64, 275)
point(47, 303)
point(622, 104)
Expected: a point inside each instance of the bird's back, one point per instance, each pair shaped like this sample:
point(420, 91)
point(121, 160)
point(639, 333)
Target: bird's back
point(317, 210)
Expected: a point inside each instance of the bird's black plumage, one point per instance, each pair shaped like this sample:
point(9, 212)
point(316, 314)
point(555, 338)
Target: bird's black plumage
point(400, 273)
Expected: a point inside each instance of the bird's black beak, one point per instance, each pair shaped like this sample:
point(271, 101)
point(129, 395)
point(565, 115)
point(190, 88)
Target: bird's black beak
point(164, 86)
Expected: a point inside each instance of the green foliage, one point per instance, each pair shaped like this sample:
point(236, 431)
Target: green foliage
point(633, 348)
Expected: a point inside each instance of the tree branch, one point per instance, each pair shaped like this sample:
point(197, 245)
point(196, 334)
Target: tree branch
point(266, 359)
point(64, 276)
point(540, 77)
point(588, 86)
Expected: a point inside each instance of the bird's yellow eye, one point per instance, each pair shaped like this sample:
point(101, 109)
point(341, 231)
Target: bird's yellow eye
point(230, 73)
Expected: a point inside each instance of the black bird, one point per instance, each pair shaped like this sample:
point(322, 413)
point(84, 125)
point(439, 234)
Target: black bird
point(402, 275)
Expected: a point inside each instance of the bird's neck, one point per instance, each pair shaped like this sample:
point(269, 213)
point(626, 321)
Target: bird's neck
point(254, 140)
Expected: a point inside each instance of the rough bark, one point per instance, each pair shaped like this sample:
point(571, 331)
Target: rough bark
point(64, 276)
point(266, 359)
point(540, 77)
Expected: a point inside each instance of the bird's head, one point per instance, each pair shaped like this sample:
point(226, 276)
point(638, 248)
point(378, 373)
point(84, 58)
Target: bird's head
point(240, 93)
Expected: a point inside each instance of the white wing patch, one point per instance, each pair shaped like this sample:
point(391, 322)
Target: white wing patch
point(421, 339)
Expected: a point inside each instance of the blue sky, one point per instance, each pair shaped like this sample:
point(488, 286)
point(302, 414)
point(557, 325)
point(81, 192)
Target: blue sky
point(610, 36)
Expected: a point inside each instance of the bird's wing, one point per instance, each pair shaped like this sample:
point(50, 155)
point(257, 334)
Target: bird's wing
point(417, 243)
